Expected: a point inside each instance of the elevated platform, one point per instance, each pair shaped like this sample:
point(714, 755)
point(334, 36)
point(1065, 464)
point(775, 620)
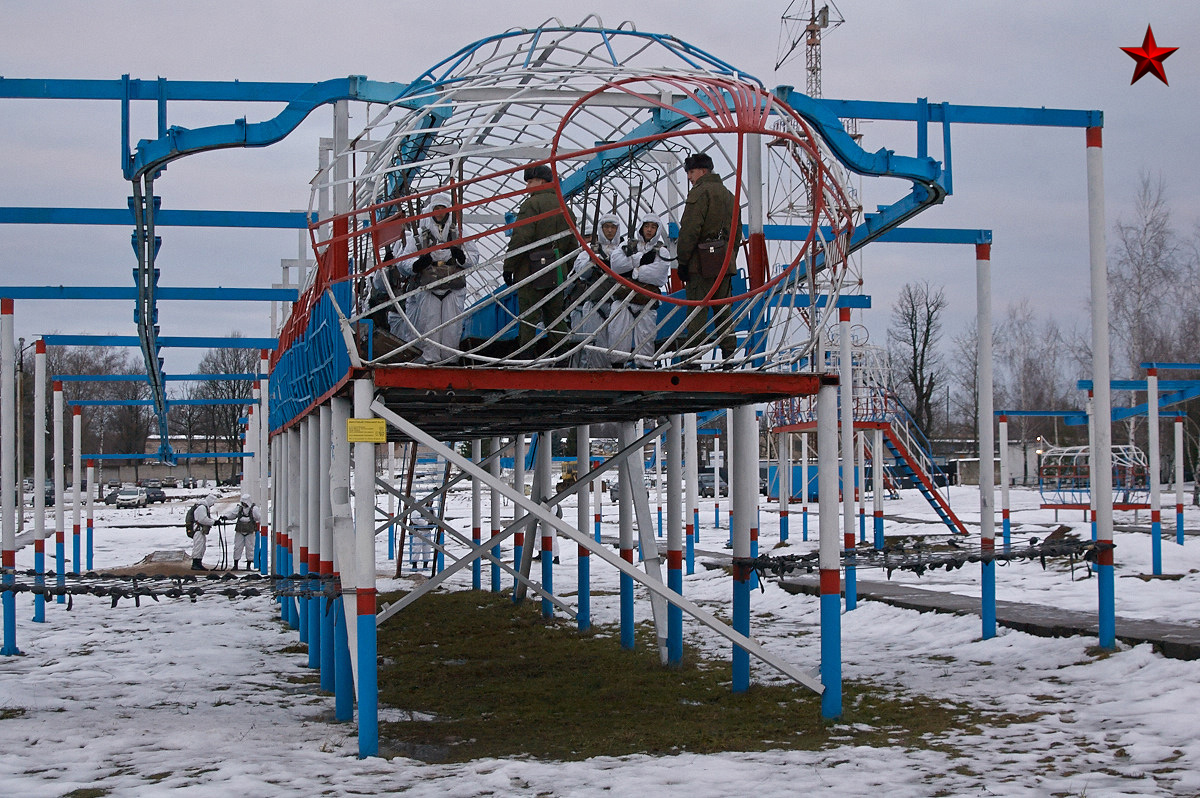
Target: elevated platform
point(466, 403)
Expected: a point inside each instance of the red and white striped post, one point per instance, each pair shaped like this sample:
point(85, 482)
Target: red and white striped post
point(8, 474)
point(1101, 476)
point(76, 487)
point(39, 472)
point(1179, 479)
point(846, 387)
point(90, 526)
point(987, 444)
point(1155, 468)
point(60, 499)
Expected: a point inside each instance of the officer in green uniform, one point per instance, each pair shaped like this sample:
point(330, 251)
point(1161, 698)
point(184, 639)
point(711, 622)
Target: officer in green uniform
point(709, 215)
point(525, 259)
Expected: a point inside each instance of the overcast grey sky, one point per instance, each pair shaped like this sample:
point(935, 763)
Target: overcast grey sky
point(1026, 184)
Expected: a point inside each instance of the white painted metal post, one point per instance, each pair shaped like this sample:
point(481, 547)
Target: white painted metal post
point(391, 500)
point(265, 552)
point(8, 474)
point(494, 507)
point(345, 633)
point(1102, 389)
point(1178, 479)
point(89, 497)
point(829, 551)
point(39, 475)
point(476, 509)
point(987, 447)
point(877, 486)
point(743, 456)
point(1155, 468)
point(294, 506)
point(583, 464)
point(846, 387)
point(313, 495)
point(691, 464)
point(76, 488)
point(674, 456)
point(860, 458)
point(804, 484)
point(784, 483)
point(1005, 480)
point(60, 510)
point(519, 541)
point(365, 593)
point(325, 544)
point(625, 437)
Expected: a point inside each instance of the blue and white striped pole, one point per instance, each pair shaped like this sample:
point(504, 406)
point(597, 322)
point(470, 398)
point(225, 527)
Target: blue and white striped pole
point(1179, 479)
point(583, 463)
point(76, 489)
point(8, 474)
point(877, 485)
point(743, 461)
point(1102, 389)
point(987, 475)
point(846, 388)
point(91, 512)
point(691, 464)
point(325, 546)
point(674, 455)
point(39, 472)
point(829, 551)
point(343, 528)
point(313, 471)
point(476, 512)
point(625, 526)
point(300, 525)
point(519, 486)
point(494, 508)
point(1154, 456)
point(783, 482)
point(60, 500)
point(365, 593)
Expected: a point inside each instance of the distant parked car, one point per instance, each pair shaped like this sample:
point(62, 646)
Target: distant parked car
point(132, 497)
point(154, 494)
point(152, 483)
point(706, 486)
point(189, 482)
point(49, 493)
point(170, 482)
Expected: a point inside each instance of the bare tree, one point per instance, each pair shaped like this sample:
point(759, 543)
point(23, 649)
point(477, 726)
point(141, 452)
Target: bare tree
point(222, 419)
point(913, 340)
point(964, 378)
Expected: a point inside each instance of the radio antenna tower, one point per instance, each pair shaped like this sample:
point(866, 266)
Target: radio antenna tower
point(800, 24)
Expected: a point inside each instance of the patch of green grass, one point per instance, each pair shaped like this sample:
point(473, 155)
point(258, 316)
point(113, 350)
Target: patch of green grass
point(87, 792)
point(157, 777)
point(8, 713)
point(499, 680)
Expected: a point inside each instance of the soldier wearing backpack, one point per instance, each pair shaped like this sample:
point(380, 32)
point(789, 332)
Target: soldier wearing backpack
point(199, 521)
point(246, 519)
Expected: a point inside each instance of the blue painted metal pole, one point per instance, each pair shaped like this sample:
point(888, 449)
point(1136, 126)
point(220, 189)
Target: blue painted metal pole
point(294, 505)
point(542, 485)
point(365, 593)
point(1102, 393)
point(8, 473)
point(343, 674)
point(583, 462)
point(877, 486)
point(691, 462)
point(783, 482)
point(675, 497)
point(828, 553)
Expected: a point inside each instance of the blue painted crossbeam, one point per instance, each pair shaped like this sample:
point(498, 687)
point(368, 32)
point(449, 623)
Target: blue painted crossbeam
point(264, 220)
point(126, 293)
point(182, 342)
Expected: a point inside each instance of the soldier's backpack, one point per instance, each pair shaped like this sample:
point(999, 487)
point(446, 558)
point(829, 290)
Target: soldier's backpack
point(189, 521)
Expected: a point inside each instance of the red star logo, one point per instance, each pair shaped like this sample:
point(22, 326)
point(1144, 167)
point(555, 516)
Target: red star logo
point(1149, 58)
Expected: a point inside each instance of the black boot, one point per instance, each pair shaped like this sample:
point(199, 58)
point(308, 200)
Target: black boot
point(198, 566)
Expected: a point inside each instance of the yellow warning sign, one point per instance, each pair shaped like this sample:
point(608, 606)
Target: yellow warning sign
point(366, 430)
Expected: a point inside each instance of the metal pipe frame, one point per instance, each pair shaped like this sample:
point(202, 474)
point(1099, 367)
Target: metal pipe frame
point(534, 509)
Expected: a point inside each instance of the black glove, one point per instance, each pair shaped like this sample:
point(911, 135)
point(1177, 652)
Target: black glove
point(683, 274)
point(387, 252)
point(510, 277)
point(629, 249)
point(647, 257)
point(422, 263)
point(458, 255)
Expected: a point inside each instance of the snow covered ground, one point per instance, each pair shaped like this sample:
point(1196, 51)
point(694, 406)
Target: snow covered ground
point(200, 699)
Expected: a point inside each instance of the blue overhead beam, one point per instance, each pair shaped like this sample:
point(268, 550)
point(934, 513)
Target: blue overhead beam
point(262, 220)
point(183, 342)
point(898, 235)
point(157, 90)
point(922, 111)
point(126, 293)
point(1140, 385)
point(143, 377)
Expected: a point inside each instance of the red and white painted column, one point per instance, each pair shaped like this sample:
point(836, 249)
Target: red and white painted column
point(8, 475)
point(76, 488)
point(1178, 425)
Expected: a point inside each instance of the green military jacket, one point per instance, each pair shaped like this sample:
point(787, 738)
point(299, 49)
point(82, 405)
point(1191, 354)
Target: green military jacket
point(707, 213)
point(541, 200)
